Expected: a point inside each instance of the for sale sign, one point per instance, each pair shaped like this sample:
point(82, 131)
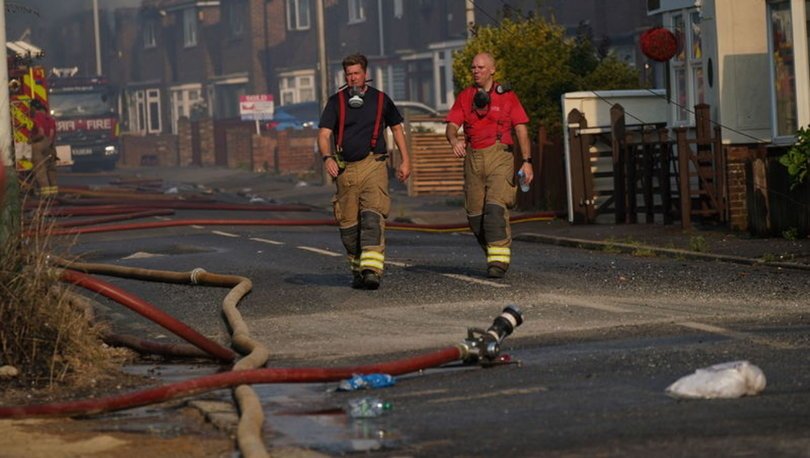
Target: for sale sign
point(257, 107)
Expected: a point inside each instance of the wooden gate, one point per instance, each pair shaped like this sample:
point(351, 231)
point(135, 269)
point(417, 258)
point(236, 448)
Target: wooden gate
point(434, 168)
point(702, 171)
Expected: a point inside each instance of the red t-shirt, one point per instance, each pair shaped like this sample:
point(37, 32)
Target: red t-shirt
point(483, 128)
point(46, 124)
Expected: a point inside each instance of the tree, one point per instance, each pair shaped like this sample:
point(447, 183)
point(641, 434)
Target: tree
point(540, 63)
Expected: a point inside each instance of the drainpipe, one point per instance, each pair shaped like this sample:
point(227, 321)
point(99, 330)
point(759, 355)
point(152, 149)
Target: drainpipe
point(9, 204)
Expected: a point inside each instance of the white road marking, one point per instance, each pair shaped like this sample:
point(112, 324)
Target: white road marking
point(477, 280)
point(319, 251)
point(271, 242)
point(197, 226)
point(163, 218)
point(225, 234)
point(737, 335)
point(397, 264)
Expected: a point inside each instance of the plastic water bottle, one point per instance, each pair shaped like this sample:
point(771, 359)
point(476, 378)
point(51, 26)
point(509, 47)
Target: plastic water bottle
point(367, 407)
point(522, 180)
point(360, 382)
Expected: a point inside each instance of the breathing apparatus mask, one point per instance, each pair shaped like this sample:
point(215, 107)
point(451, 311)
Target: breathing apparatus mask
point(355, 97)
point(481, 99)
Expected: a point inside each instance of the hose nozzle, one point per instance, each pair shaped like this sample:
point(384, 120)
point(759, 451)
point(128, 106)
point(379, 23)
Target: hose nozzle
point(487, 344)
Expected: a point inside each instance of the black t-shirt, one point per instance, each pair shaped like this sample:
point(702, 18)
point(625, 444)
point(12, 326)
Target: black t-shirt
point(359, 123)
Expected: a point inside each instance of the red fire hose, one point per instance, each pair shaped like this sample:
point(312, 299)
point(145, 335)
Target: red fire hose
point(149, 311)
point(229, 379)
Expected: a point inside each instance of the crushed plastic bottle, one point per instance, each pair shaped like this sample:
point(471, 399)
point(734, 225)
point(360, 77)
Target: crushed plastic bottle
point(366, 381)
point(522, 180)
point(367, 407)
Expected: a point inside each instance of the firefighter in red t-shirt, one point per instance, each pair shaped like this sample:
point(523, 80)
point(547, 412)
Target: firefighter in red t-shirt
point(43, 152)
point(488, 112)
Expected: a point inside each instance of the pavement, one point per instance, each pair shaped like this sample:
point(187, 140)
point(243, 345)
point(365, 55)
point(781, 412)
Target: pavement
point(710, 242)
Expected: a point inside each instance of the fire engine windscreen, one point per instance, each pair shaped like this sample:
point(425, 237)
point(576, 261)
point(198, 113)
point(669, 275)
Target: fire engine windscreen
point(81, 104)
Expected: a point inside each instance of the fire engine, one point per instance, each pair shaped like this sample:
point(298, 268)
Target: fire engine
point(26, 82)
point(87, 124)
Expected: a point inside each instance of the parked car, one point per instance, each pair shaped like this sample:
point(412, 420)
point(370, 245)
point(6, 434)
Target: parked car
point(422, 117)
point(296, 116)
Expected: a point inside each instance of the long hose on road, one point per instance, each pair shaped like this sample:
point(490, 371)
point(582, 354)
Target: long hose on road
point(229, 379)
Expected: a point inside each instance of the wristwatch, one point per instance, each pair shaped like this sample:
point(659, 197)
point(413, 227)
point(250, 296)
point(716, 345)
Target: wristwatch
point(527, 160)
point(324, 158)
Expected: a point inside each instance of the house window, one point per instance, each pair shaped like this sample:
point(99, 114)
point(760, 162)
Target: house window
point(357, 11)
point(297, 14)
point(297, 87)
point(236, 18)
point(145, 111)
point(398, 9)
point(153, 111)
point(184, 99)
point(783, 69)
point(687, 67)
point(189, 27)
point(149, 34)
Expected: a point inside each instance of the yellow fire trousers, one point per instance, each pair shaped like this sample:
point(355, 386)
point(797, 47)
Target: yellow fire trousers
point(361, 205)
point(489, 193)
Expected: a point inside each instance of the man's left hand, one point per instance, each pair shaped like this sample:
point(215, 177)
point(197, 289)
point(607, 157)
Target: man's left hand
point(403, 172)
point(528, 172)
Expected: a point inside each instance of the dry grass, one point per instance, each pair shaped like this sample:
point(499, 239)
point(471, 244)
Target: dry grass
point(42, 334)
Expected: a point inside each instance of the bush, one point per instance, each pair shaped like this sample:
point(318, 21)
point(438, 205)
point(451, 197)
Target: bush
point(45, 337)
point(797, 158)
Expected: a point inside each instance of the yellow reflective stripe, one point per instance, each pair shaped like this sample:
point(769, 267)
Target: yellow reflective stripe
point(376, 255)
point(372, 263)
point(354, 262)
point(503, 259)
point(372, 259)
point(505, 250)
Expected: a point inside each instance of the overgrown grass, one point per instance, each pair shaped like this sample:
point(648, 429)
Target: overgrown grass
point(42, 334)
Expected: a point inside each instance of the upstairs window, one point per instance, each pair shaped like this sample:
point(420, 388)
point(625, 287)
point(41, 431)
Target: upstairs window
point(297, 14)
point(357, 11)
point(235, 12)
point(149, 33)
point(189, 27)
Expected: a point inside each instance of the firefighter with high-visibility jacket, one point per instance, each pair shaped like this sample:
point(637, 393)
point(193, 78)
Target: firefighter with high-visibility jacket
point(353, 121)
point(488, 112)
point(43, 152)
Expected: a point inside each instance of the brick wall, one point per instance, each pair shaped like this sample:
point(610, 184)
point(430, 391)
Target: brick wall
point(185, 148)
point(239, 146)
point(738, 158)
point(264, 153)
point(207, 144)
point(149, 150)
point(296, 150)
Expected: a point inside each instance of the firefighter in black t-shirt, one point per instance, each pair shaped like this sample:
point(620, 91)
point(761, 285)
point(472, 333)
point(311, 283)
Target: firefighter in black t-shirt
point(353, 122)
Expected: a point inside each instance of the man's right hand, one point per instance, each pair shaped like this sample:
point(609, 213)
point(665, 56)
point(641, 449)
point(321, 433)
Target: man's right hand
point(460, 148)
point(331, 167)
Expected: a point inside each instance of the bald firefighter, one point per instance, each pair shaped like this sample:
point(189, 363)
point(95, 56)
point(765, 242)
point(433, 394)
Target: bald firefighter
point(489, 112)
point(353, 121)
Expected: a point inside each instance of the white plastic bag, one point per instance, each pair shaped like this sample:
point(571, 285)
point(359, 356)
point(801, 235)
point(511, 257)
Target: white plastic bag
point(726, 380)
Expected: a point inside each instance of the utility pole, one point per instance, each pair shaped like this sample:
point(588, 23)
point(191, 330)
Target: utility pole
point(323, 74)
point(470, 10)
point(9, 201)
point(97, 37)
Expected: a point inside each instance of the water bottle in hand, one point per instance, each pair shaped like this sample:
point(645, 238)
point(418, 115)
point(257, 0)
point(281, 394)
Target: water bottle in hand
point(522, 180)
point(367, 407)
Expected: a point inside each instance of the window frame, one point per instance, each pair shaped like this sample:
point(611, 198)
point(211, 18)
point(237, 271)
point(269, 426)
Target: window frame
point(150, 33)
point(800, 95)
point(236, 18)
point(298, 15)
point(687, 68)
point(303, 82)
point(189, 27)
point(357, 11)
point(181, 101)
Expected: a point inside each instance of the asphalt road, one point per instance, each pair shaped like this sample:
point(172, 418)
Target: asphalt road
point(604, 335)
